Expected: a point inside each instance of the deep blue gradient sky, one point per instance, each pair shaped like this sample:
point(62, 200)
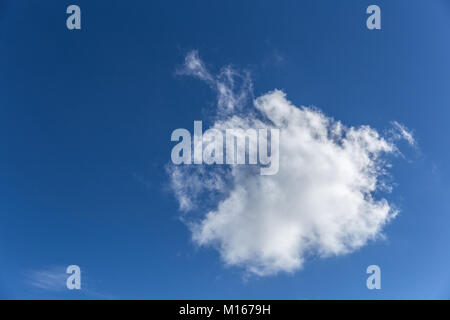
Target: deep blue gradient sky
point(86, 118)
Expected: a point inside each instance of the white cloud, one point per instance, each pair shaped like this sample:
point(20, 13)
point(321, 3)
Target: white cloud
point(52, 279)
point(195, 67)
point(233, 88)
point(321, 202)
point(400, 131)
point(189, 183)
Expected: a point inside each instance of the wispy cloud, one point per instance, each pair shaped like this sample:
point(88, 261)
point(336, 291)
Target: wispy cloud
point(234, 89)
point(401, 131)
point(53, 279)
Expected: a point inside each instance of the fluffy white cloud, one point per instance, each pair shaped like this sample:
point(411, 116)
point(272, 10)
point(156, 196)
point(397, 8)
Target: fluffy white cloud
point(322, 200)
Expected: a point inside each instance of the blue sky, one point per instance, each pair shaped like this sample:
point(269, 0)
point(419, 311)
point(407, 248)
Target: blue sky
point(86, 118)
